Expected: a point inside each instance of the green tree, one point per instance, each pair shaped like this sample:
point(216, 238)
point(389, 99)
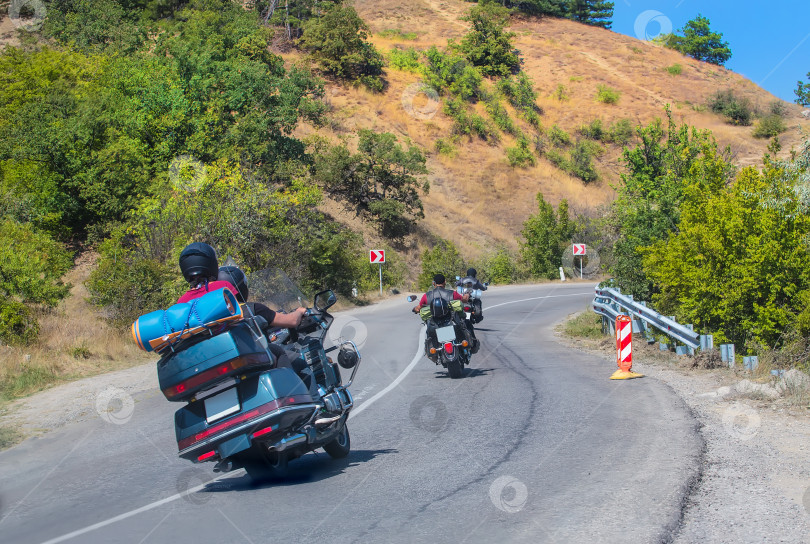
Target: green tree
point(488, 45)
point(591, 12)
point(338, 41)
point(700, 42)
point(546, 235)
point(647, 208)
point(738, 266)
point(803, 92)
point(382, 180)
point(442, 258)
point(549, 8)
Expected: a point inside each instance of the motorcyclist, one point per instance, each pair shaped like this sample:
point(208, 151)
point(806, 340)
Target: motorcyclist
point(478, 313)
point(200, 268)
point(236, 276)
point(439, 291)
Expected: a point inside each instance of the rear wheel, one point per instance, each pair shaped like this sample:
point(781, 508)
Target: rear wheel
point(261, 464)
point(340, 446)
point(455, 368)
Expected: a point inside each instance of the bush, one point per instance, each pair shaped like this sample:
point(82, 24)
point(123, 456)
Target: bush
point(469, 124)
point(500, 116)
point(606, 95)
point(560, 93)
point(580, 163)
point(737, 110)
point(445, 147)
point(620, 132)
point(558, 137)
point(520, 93)
point(338, 41)
point(593, 131)
point(32, 264)
point(777, 107)
point(520, 156)
point(769, 126)
point(500, 267)
point(547, 233)
point(406, 60)
point(18, 326)
point(451, 73)
point(675, 69)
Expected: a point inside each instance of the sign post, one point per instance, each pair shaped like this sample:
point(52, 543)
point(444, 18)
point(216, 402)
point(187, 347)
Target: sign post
point(580, 251)
point(377, 256)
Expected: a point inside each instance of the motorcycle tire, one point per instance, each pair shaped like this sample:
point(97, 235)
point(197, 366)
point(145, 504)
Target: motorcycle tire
point(340, 446)
point(262, 465)
point(455, 369)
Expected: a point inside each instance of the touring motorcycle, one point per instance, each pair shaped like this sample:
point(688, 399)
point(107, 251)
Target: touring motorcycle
point(239, 408)
point(448, 342)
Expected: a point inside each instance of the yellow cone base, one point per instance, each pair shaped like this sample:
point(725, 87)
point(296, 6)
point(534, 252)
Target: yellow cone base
point(625, 375)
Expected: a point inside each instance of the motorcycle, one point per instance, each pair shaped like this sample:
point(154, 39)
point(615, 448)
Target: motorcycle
point(448, 341)
point(472, 309)
point(242, 410)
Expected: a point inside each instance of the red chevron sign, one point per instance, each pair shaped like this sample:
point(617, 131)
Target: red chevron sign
point(376, 256)
point(579, 249)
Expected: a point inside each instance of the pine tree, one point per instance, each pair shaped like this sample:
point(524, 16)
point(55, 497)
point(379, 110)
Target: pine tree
point(591, 12)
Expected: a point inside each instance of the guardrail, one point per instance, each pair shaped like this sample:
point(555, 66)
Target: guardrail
point(610, 302)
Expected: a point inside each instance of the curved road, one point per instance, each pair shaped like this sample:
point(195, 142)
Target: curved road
point(535, 444)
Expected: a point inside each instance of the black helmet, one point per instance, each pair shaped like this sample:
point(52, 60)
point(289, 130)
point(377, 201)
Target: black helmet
point(198, 262)
point(439, 308)
point(237, 278)
point(471, 272)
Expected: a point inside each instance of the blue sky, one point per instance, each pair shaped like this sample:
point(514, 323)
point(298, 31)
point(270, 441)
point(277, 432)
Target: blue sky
point(769, 40)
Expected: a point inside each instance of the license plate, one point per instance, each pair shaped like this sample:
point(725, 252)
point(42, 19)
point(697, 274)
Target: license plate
point(446, 334)
point(221, 405)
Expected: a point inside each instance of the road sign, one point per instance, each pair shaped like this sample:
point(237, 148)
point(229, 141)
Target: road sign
point(376, 256)
point(579, 249)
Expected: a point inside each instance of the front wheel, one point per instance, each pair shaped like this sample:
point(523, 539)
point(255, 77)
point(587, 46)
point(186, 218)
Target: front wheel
point(340, 446)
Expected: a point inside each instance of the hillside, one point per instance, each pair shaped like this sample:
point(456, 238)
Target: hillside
point(476, 192)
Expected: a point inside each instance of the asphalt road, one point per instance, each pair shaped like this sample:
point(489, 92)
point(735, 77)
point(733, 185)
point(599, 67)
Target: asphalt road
point(533, 444)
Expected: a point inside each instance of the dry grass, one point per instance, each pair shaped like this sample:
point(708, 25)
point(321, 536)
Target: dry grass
point(74, 342)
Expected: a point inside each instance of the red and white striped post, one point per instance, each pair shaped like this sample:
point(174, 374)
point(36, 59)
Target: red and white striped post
point(624, 349)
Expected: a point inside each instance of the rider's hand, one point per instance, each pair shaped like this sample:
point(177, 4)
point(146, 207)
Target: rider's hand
point(415, 309)
point(465, 297)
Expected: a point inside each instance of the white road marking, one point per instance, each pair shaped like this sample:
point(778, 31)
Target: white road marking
point(357, 410)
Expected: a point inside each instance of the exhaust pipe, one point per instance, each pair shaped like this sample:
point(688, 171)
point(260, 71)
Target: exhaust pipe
point(288, 442)
point(226, 465)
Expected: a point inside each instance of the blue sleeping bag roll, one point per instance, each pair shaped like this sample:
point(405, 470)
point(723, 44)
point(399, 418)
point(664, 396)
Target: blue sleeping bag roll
point(159, 329)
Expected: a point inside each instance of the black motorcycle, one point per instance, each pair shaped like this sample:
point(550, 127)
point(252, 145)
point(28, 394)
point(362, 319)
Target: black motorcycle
point(240, 409)
point(448, 342)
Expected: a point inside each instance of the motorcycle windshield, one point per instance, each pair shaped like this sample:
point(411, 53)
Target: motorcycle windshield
point(275, 289)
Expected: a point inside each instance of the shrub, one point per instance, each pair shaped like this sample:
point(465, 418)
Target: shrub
point(769, 126)
point(500, 116)
point(558, 137)
point(580, 163)
point(18, 326)
point(620, 132)
point(469, 124)
point(520, 156)
point(406, 60)
point(737, 110)
point(500, 267)
point(451, 73)
point(338, 41)
point(520, 93)
point(444, 147)
point(593, 131)
point(560, 93)
point(606, 95)
point(777, 107)
point(675, 69)
point(546, 234)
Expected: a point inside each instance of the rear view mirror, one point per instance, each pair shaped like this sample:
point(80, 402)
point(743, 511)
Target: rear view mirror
point(486, 284)
point(411, 298)
point(325, 300)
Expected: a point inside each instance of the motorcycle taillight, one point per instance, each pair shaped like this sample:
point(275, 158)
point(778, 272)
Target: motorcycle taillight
point(448, 347)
